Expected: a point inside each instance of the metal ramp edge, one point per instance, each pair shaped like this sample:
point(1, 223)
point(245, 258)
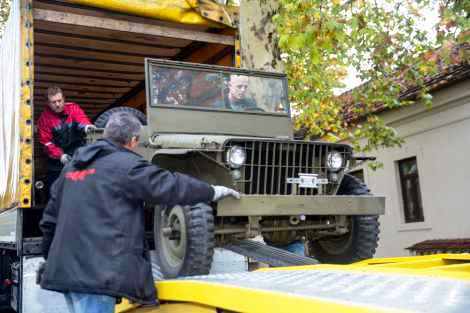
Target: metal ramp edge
point(267, 254)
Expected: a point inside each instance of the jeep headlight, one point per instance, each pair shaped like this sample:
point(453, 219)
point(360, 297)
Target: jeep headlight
point(334, 161)
point(236, 156)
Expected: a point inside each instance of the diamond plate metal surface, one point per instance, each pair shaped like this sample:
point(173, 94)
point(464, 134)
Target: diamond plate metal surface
point(402, 292)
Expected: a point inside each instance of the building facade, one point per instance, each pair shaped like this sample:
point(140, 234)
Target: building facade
point(427, 180)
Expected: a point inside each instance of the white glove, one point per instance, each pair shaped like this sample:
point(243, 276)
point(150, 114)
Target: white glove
point(222, 192)
point(65, 158)
point(90, 128)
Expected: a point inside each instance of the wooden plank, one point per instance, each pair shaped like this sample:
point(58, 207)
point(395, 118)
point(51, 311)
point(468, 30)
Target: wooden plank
point(148, 40)
point(91, 55)
point(67, 6)
point(204, 54)
point(84, 100)
point(83, 88)
point(88, 108)
point(63, 71)
point(75, 41)
point(41, 92)
point(138, 100)
point(190, 49)
point(134, 98)
point(90, 112)
point(81, 101)
point(85, 64)
point(127, 26)
point(82, 80)
point(227, 60)
point(216, 58)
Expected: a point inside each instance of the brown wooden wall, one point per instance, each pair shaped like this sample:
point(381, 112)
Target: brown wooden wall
point(97, 56)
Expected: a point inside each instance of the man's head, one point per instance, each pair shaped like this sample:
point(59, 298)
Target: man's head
point(237, 87)
point(55, 99)
point(123, 128)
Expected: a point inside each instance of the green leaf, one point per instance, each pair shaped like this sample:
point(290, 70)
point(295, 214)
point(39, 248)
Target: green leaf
point(297, 42)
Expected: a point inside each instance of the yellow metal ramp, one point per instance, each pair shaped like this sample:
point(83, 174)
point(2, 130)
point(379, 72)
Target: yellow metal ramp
point(435, 283)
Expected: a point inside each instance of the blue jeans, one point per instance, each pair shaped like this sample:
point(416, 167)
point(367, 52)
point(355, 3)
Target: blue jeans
point(89, 303)
point(296, 247)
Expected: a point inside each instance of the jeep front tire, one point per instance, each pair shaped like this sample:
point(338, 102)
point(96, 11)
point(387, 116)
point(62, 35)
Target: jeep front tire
point(361, 240)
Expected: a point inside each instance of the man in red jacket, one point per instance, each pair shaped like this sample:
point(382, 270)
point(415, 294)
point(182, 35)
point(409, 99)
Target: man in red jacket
point(62, 127)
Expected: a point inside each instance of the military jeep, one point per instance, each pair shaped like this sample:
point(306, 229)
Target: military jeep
point(232, 127)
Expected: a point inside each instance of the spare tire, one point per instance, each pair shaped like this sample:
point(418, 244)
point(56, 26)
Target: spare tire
point(103, 118)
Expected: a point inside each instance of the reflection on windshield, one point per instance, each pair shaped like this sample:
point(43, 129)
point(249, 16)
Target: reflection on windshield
point(227, 91)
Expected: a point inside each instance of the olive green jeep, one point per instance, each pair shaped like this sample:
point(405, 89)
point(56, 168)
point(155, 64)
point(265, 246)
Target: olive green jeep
point(232, 127)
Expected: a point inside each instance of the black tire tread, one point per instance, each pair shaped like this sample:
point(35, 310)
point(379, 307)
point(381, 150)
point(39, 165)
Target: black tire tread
point(201, 240)
point(103, 118)
point(366, 229)
point(199, 221)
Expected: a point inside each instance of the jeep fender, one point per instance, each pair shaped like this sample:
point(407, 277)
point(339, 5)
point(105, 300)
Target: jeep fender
point(200, 164)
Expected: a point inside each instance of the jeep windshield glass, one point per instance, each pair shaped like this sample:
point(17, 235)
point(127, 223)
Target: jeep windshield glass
point(199, 89)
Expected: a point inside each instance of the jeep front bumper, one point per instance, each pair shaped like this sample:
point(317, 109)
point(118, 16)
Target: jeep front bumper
point(276, 205)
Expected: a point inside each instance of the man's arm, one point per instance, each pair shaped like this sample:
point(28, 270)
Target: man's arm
point(153, 184)
point(79, 116)
point(49, 218)
point(45, 138)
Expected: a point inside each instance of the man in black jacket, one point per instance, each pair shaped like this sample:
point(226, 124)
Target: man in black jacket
point(93, 224)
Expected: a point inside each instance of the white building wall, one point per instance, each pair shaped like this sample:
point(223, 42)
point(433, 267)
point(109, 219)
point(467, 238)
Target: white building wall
point(440, 140)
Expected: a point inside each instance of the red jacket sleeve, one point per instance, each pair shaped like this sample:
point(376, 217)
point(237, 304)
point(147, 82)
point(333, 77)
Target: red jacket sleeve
point(79, 116)
point(45, 138)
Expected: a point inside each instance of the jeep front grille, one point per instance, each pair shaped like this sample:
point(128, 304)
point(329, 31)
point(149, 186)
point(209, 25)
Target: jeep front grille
point(270, 163)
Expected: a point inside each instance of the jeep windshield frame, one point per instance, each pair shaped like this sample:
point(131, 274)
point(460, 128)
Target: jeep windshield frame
point(187, 86)
point(174, 90)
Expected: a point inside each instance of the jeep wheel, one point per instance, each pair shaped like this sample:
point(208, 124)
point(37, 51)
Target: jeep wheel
point(184, 240)
point(359, 243)
point(103, 118)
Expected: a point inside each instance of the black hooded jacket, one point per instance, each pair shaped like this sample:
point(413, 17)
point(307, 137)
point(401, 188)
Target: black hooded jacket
point(93, 225)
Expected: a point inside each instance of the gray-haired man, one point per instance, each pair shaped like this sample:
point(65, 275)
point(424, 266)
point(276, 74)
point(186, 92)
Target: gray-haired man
point(93, 224)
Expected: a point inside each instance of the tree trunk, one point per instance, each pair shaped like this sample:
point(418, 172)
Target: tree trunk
point(259, 40)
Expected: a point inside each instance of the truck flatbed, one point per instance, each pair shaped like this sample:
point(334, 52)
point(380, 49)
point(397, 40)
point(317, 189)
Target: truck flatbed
point(434, 283)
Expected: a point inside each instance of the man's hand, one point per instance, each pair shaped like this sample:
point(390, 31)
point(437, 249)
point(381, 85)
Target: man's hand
point(40, 272)
point(65, 158)
point(90, 128)
point(221, 192)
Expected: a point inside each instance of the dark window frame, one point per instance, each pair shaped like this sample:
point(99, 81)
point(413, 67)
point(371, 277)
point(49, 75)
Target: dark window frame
point(412, 194)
